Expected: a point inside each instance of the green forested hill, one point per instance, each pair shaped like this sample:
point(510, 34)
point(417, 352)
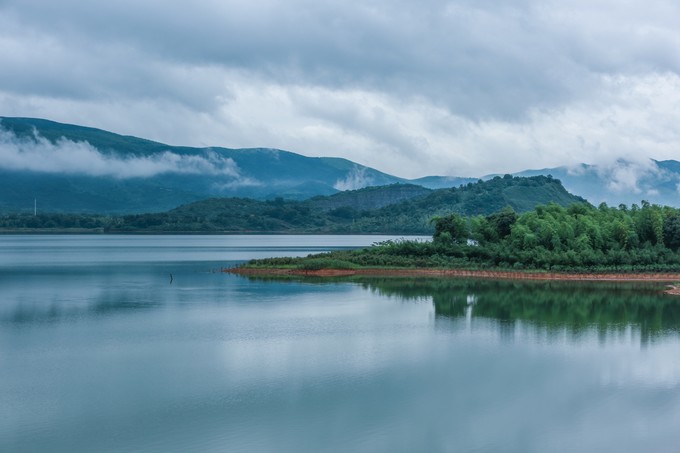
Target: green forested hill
point(481, 198)
point(397, 209)
point(486, 197)
point(350, 212)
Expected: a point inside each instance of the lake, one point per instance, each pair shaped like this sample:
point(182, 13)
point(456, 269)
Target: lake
point(139, 343)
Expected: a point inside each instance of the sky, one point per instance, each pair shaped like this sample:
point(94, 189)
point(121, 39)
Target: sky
point(462, 88)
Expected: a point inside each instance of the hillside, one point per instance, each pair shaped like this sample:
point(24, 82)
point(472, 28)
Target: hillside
point(481, 198)
point(70, 168)
point(339, 213)
point(397, 208)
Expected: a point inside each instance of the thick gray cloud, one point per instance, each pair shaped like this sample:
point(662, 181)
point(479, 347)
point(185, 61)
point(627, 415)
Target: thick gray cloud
point(462, 87)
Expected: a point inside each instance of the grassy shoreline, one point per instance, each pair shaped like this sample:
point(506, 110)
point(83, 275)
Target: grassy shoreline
point(458, 273)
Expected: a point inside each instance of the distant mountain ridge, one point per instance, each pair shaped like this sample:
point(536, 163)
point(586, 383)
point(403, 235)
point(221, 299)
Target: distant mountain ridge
point(70, 168)
point(622, 182)
point(176, 174)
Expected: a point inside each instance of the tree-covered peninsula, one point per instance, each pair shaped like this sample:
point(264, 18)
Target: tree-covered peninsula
point(577, 238)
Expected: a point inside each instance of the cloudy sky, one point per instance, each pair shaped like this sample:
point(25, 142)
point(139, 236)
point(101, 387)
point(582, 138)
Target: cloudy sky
point(411, 88)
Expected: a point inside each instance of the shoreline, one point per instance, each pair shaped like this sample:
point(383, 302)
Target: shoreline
point(661, 277)
point(102, 231)
point(460, 273)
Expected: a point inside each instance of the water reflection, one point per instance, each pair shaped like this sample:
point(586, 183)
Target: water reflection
point(109, 356)
point(67, 293)
point(54, 278)
point(577, 307)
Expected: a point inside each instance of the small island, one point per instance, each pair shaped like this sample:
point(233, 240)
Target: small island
point(551, 242)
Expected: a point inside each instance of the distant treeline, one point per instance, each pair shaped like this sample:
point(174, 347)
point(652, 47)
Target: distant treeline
point(48, 221)
point(580, 238)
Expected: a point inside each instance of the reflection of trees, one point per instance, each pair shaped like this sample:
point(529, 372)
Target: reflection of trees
point(576, 306)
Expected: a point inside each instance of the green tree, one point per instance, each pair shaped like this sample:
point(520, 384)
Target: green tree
point(453, 224)
point(671, 230)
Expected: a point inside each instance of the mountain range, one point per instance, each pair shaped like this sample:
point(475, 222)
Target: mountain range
point(70, 168)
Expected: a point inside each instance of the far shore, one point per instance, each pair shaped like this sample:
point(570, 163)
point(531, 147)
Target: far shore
point(462, 273)
point(142, 232)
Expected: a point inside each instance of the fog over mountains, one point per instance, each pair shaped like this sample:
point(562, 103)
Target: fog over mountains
point(70, 168)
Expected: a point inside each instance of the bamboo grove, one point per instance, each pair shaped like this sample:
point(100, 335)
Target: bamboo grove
point(581, 236)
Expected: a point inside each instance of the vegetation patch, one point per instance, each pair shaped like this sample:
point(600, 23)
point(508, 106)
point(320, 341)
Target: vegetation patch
point(315, 264)
point(577, 239)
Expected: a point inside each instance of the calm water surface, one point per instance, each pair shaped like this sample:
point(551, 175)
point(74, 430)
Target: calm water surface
point(99, 351)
